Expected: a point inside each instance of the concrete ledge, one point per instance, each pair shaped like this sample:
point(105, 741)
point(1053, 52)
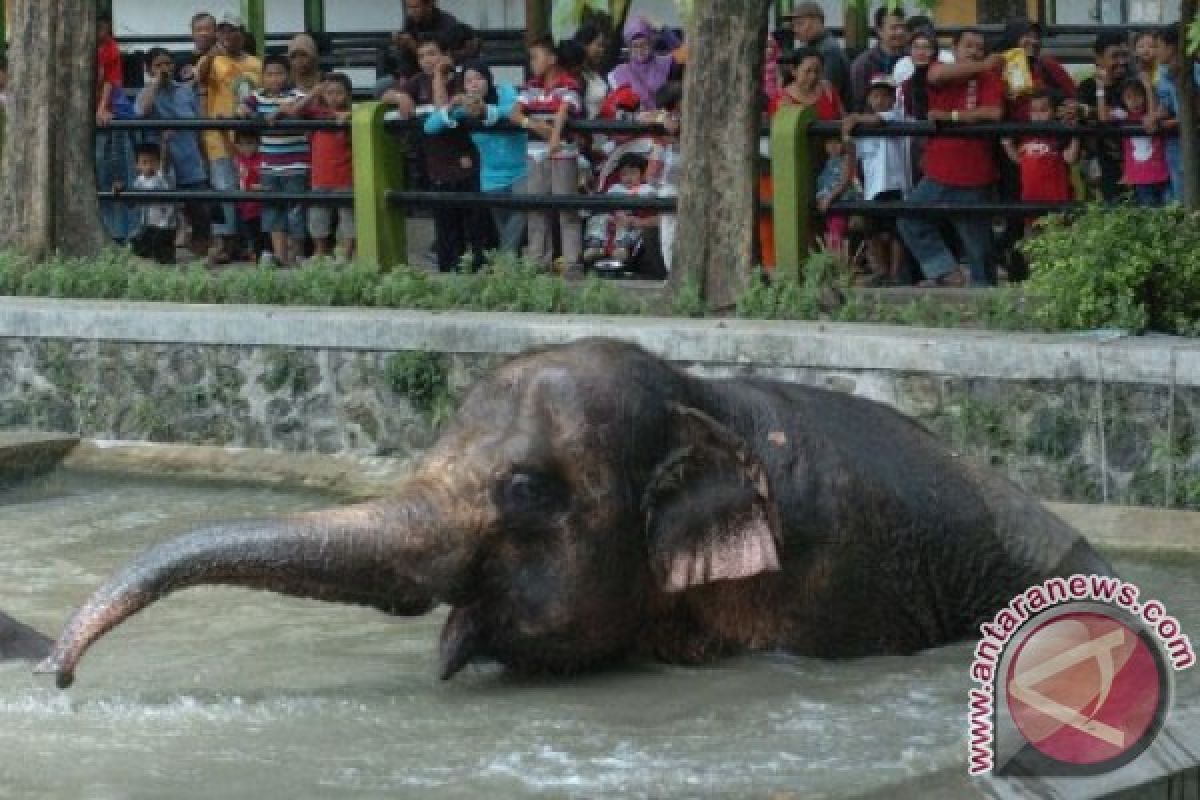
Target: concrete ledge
point(24, 455)
point(979, 354)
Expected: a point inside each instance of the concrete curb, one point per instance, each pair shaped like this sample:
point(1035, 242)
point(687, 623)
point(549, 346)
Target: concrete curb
point(972, 354)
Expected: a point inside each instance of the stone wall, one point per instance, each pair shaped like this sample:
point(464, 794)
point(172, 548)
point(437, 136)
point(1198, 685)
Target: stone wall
point(1071, 418)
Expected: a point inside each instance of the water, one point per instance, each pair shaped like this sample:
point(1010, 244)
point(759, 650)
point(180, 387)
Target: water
point(228, 693)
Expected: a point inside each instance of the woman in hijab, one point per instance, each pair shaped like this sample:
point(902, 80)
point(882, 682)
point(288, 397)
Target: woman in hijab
point(306, 62)
point(645, 72)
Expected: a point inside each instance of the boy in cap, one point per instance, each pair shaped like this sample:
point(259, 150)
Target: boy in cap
point(228, 75)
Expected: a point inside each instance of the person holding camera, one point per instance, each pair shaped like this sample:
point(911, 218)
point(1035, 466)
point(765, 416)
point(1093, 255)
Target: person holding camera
point(165, 98)
point(227, 75)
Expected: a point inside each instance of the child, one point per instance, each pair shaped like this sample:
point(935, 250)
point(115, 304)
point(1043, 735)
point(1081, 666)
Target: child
point(154, 232)
point(332, 164)
point(1145, 156)
point(836, 182)
point(551, 96)
point(886, 164)
point(619, 235)
point(249, 213)
point(451, 163)
point(165, 99)
point(285, 160)
point(1043, 160)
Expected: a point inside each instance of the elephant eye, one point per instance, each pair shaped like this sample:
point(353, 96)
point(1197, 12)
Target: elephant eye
point(530, 491)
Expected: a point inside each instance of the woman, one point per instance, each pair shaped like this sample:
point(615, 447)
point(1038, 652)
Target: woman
point(804, 87)
point(502, 166)
point(594, 41)
point(306, 63)
point(645, 72)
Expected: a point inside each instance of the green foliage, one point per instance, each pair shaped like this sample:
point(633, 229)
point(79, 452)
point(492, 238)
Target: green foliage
point(1129, 268)
point(424, 378)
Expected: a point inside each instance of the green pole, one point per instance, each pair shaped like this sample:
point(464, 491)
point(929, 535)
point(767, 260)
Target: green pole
point(255, 14)
point(314, 16)
point(792, 176)
point(3, 25)
point(378, 168)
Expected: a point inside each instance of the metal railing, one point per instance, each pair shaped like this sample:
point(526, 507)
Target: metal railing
point(381, 194)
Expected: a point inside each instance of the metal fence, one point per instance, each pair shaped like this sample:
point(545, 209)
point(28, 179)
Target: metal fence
point(381, 195)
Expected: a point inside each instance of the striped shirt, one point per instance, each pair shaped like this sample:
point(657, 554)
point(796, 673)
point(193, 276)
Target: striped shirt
point(285, 152)
point(542, 100)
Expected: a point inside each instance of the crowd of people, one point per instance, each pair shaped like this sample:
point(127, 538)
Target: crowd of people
point(441, 77)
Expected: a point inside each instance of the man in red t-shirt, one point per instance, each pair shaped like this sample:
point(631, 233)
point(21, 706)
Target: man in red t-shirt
point(959, 171)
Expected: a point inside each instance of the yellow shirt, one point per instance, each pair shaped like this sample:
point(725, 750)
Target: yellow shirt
point(229, 82)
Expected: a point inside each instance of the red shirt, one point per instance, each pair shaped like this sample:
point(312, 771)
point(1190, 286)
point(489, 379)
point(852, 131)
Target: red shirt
point(956, 160)
point(108, 64)
point(829, 105)
point(1044, 175)
point(332, 164)
point(1047, 74)
point(249, 180)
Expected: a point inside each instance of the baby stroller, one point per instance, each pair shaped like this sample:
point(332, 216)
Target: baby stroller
point(619, 261)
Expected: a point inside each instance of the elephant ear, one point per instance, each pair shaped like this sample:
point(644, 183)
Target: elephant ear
point(708, 508)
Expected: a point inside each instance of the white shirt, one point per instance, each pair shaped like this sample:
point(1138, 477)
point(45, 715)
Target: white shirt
point(905, 68)
point(155, 216)
point(884, 159)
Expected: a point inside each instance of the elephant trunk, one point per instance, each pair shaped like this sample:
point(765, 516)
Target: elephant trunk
point(398, 556)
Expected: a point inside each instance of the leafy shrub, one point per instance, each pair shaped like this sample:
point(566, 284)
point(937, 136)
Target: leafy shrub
point(1129, 268)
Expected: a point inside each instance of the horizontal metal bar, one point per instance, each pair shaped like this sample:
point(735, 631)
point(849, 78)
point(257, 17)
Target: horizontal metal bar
point(868, 208)
point(134, 197)
point(529, 202)
point(983, 129)
point(211, 124)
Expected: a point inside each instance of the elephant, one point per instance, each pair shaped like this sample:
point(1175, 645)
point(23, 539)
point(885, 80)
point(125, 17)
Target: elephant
point(590, 504)
point(20, 642)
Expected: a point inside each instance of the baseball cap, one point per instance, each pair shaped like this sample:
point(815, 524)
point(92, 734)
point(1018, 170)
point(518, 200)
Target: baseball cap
point(232, 20)
point(880, 79)
point(806, 9)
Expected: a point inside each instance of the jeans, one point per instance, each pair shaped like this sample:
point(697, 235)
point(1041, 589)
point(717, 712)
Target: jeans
point(224, 178)
point(281, 217)
point(510, 223)
point(925, 242)
point(114, 165)
point(1174, 192)
point(1152, 195)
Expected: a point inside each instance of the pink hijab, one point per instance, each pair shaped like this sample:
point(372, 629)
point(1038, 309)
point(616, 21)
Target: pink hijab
point(648, 75)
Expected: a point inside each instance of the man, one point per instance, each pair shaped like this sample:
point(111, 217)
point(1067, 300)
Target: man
point(204, 36)
point(905, 68)
point(1111, 53)
point(1167, 91)
point(882, 58)
point(228, 74)
point(958, 170)
point(1049, 76)
point(808, 30)
point(421, 18)
point(1047, 72)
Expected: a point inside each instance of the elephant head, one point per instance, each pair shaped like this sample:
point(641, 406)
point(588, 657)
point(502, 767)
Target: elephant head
point(576, 490)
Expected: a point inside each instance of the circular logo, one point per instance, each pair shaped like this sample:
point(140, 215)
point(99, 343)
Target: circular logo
point(1088, 690)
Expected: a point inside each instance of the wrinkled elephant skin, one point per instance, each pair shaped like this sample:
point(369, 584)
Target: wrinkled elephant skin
point(592, 503)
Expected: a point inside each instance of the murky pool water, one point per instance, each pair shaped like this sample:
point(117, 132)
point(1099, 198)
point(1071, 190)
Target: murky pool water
point(232, 693)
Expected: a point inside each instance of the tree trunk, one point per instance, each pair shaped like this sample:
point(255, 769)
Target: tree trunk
point(49, 204)
point(1189, 142)
point(714, 241)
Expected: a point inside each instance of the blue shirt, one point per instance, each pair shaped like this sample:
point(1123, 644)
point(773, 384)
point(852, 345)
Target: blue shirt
point(1167, 90)
point(178, 101)
point(501, 154)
